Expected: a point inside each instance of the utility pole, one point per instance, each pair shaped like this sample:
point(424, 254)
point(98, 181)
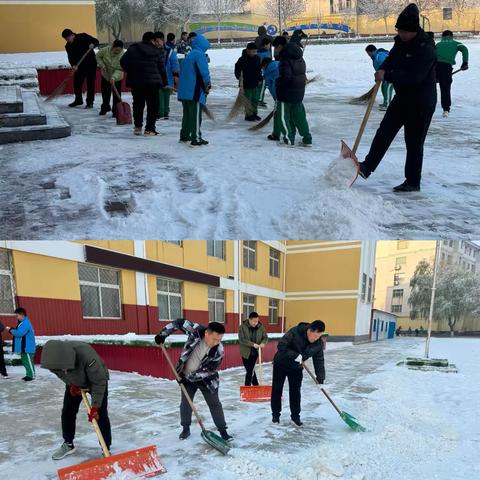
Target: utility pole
point(279, 17)
point(432, 300)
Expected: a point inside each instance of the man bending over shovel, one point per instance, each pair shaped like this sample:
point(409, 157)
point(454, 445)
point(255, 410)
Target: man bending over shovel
point(198, 369)
point(79, 366)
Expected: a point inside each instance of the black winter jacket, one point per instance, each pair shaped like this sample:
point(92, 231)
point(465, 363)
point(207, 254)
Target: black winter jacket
point(251, 69)
point(294, 343)
point(145, 65)
point(292, 79)
point(77, 49)
point(410, 66)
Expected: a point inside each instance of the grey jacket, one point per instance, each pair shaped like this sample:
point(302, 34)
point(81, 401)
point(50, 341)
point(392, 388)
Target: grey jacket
point(77, 363)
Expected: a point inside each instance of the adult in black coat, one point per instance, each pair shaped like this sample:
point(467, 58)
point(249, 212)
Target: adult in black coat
point(262, 34)
point(145, 67)
point(298, 345)
point(410, 66)
point(298, 36)
point(79, 44)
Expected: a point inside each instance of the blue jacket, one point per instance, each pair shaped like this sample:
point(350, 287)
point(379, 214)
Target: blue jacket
point(23, 337)
point(171, 65)
point(270, 74)
point(264, 53)
point(379, 57)
point(194, 75)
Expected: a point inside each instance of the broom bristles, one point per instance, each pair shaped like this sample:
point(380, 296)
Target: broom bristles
point(263, 123)
point(59, 90)
point(364, 98)
point(208, 113)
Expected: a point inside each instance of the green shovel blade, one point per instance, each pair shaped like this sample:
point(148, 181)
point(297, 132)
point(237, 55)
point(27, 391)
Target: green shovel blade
point(352, 422)
point(215, 441)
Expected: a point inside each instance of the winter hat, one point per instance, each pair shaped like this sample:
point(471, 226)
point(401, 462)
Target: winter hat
point(251, 46)
point(262, 30)
point(409, 19)
point(58, 355)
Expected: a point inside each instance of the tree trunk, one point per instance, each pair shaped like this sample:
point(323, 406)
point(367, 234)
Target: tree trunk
point(385, 19)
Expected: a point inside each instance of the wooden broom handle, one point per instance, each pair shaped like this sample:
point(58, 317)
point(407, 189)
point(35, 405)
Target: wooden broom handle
point(114, 88)
point(366, 116)
point(260, 363)
point(106, 452)
point(182, 386)
point(83, 57)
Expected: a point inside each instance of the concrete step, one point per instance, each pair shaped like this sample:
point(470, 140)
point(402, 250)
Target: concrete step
point(33, 113)
point(10, 99)
point(56, 127)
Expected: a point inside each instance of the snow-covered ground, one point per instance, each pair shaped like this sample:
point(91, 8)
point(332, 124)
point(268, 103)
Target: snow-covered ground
point(241, 185)
point(420, 425)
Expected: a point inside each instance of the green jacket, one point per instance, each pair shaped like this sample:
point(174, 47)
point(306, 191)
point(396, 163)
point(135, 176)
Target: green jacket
point(247, 336)
point(109, 62)
point(447, 50)
point(77, 363)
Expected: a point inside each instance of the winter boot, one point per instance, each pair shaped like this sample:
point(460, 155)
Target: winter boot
point(406, 187)
point(364, 172)
point(27, 379)
point(137, 131)
point(105, 109)
point(224, 434)
point(185, 433)
point(76, 103)
point(297, 421)
point(274, 138)
point(446, 113)
point(88, 106)
point(63, 451)
point(250, 118)
point(198, 143)
point(301, 143)
point(276, 419)
point(150, 133)
point(257, 118)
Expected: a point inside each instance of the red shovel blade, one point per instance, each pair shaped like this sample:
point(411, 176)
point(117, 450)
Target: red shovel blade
point(123, 113)
point(347, 153)
point(140, 463)
point(256, 393)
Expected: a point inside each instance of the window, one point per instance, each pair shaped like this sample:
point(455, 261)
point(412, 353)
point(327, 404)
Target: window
point(175, 242)
point(396, 309)
point(99, 291)
point(364, 287)
point(273, 311)
point(248, 305)
point(216, 248)
point(370, 283)
point(400, 261)
point(216, 305)
point(7, 300)
point(398, 293)
point(447, 13)
point(169, 298)
point(375, 325)
point(402, 244)
point(250, 254)
point(274, 263)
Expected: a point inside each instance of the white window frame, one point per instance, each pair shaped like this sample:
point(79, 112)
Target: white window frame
point(394, 291)
point(397, 308)
point(247, 250)
point(9, 273)
point(370, 288)
point(274, 262)
point(248, 305)
point(99, 285)
point(214, 249)
point(216, 300)
point(168, 295)
point(271, 308)
point(364, 287)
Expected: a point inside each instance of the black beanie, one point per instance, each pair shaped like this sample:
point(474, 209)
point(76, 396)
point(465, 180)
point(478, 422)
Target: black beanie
point(251, 46)
point(409, 19)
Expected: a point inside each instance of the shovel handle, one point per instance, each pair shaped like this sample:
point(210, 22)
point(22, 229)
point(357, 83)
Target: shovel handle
point(371, 101)
point(106, 452)
point(260, 364)
point(182, 386)
point(456, 71)
point(321, 388)
point(114, 88)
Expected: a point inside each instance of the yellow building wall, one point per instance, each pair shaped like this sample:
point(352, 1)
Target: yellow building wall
point(38, 28)
point(261, 275)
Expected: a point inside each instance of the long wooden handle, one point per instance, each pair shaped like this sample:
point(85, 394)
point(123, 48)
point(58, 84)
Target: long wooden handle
point(184, 390)
point(321, 388)
point(114, 88)
point(83, 57)
point(260, 364)
point(106, 452)
point(367, 115)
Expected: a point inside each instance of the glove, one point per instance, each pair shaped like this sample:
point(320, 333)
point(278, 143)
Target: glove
point(299, 359)
point(181, 380)
point(93, 414)
point(75, 391)
point(159, 339)
point(464, 66)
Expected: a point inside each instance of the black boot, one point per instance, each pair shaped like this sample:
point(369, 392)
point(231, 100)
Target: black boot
point(297, 421)
point(104, 109)
point(88, 106)
point(276, 419)
point(185, 433)
point(364, 172)
point(224, 434)
point(406, 187)
point(274, 138)
point(75, 103)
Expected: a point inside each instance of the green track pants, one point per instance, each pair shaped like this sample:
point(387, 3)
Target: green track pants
point(253, 94)
point(292, 117)
point(27, 362)
point(164, 102)
point(191, 121)
point(387, 92)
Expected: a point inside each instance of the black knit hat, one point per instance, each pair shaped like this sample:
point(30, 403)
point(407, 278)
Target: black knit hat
point(251, 46)
point(409, 19)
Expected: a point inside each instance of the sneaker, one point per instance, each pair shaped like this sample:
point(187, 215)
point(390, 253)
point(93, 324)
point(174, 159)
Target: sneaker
point(257, 118)
point(274, 138)
point(150, 133)
point(297, 421)
point(137, 131)
point(301, 143)
point(63, 451)
point(224, 434)
point(198, 143)
point(185, 433)
point(262, 104)
point(406, 187)
point(165, 117)
point(105, 110)
point(364, 172)
point(88, 106)
point(5, 376)
point(276, 419)
point(27, 379)
point(75, 104)
point(184, 140)
point(250, 118)
point(286, 143)
point(382, 107)
point(446, 113)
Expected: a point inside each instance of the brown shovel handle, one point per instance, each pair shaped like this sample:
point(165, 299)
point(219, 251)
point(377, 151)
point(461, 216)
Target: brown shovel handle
point(182, 386)
point(371, 101)
point(106, 452)
point(83, 58)
point(114, 88)
point(321, 388)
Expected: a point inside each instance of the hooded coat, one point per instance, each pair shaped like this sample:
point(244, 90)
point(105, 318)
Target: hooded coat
point(292, 74)
point(23, 337)
point(270, 75)
point(194, 74)
point(379, 57)
point(77, 363)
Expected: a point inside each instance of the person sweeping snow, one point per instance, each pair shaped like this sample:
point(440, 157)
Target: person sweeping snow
point(298, 345)
point(198, 369)
point(378, 56)
point(447, 50)
point(270, 75)
point(411, 68)
point(80, 367)
point(262, 53)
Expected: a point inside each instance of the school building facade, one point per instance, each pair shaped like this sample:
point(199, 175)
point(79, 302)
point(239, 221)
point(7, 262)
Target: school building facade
point(119, 287)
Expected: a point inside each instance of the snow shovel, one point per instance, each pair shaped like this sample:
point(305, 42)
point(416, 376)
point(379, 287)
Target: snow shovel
point(142, 462)
point(208, 436)
point(257, 393)
point(350, 154)
point(350, 420)
point(63, 85)
point(123, 112)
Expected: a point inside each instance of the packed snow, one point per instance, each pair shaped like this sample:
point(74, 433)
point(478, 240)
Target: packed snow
point(421, 425)
point(242, 185)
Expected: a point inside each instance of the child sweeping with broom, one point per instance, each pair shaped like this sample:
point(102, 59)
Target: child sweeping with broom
point(270, 75)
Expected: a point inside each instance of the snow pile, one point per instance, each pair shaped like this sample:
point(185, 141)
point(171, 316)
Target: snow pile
point(341, 172)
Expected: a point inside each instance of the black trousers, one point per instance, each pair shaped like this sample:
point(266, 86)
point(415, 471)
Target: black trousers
point(148, 95)
point(69, 417)
point(249, 363)
point(107, 92)
point(90, 74)
point(3, 370)
point(444, 78)
point(415, 120)
point(295, 378)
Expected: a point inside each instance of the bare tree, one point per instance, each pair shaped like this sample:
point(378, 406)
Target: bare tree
point(460, 8)
point(425, 5)
point(285, 10)
point(221, 9)
point(157, 12)
point(114, 15)
point(183, 11)
point(380, 9)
